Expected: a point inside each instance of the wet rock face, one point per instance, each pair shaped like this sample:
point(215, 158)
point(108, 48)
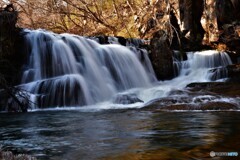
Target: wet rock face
point(204, 102)
point(197, 97)
point(161, 56)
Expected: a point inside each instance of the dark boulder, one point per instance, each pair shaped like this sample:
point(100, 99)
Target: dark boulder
point(190, 14)
point(236, 6)
point(102, 39)
point(122, 40)
point(126, 99)
point(224, 12)
point(161, 56)
point(219, 88)
point(230, 39)
point(235, 56)
point(234, 72)
point(227, 11)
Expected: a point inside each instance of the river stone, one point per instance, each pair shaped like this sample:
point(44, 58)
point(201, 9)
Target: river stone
point(126, 99)
point(220, 88)
point(202, 106)
point(199, 106)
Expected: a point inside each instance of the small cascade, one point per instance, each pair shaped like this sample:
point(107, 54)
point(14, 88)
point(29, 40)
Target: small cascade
point(69, 70)
point(204, 66)
point(209, 63)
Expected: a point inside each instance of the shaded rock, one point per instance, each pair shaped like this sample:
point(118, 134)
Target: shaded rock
point(224, 12)
point(161, 56)
point(234, 72)
point(227, 11)
point(228, 18)
point(200, 96)
point(11, 44)
point(204, 85)
point(122, 40)
point(8, 21)
point(190, 14)
point(102, 39)
point(222, 88)
point(126, 99)
point(203, 106)
point(235, 55)
point(236, 6)
point(191, 103)
point(174, 100)
point(230, 34)
point(218, 106)
point(177, 38)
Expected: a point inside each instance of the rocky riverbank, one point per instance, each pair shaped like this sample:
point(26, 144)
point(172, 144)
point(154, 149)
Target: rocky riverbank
point(220, 96)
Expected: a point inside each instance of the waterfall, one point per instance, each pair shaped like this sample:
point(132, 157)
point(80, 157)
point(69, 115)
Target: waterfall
point(69, 70)
point(203, 66)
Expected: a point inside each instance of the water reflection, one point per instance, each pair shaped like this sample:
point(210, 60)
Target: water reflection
point(120, 134)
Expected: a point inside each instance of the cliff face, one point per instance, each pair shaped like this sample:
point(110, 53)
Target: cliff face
point(11, 60)
point(7, 32)
point(11, 57)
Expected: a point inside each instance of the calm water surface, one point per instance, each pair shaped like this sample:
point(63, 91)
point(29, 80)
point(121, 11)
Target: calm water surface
point(120, 134)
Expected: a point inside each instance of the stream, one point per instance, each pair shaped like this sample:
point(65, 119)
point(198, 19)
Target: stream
point(120, 134)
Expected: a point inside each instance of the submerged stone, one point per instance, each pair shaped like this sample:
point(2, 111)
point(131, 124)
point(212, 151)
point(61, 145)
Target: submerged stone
point(126, 99)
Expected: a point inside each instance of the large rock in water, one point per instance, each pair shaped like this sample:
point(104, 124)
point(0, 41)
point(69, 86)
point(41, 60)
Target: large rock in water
point(126, 99)
point(161, 56)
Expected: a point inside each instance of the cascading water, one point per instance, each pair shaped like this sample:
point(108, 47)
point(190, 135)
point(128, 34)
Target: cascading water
point(69, 70)
point(199, 67)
